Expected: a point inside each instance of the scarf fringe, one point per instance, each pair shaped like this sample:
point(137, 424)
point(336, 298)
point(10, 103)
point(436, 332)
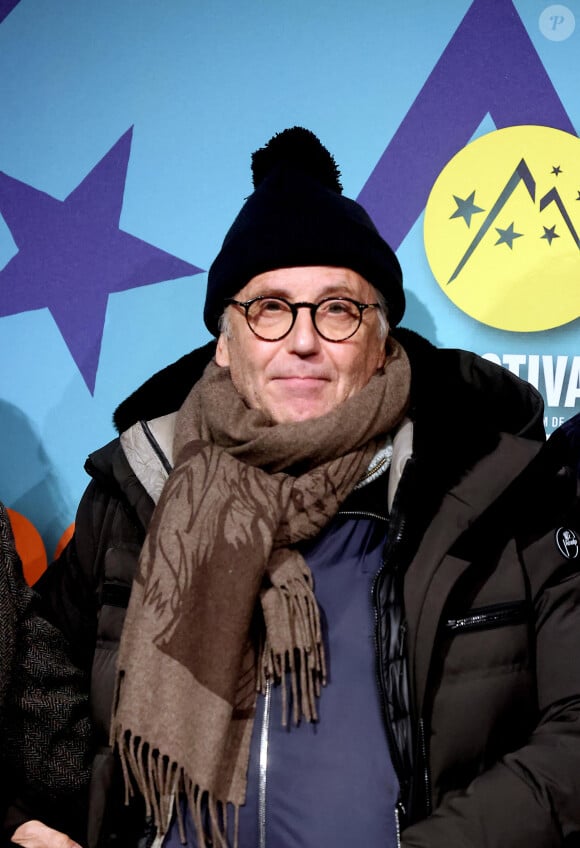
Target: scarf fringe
point(302, 659)
point(161, 782)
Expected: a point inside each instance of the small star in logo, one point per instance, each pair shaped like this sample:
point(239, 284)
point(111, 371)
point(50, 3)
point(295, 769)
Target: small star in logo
point(556, 170)
point(550, 234)
point(466, 208)
point(507, 236)
point(578, 198)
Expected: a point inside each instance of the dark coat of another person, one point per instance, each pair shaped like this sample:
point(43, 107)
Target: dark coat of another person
point(45, 740)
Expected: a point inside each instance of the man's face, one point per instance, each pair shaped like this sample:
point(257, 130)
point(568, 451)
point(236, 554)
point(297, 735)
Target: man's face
point(302, 375)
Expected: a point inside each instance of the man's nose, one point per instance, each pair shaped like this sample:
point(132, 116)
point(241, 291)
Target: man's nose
point(303, 338)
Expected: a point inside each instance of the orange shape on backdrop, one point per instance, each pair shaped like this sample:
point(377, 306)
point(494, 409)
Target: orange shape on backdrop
point(64, 540)
point(29, 546)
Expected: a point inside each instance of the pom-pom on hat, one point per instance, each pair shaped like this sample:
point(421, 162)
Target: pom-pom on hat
point(298, 216)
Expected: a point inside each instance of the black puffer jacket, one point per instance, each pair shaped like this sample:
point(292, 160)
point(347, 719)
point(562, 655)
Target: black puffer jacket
point(477, 629)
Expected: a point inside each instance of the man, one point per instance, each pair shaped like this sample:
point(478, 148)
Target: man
point(354, 615)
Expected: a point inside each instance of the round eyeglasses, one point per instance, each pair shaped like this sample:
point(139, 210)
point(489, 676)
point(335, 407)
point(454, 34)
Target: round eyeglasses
point(336, 319)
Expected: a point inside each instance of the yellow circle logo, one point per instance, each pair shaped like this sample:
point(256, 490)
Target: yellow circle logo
point(502, 229)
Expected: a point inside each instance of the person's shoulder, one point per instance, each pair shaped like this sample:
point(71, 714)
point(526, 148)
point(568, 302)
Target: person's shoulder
point(471, 393)
point(100, 462)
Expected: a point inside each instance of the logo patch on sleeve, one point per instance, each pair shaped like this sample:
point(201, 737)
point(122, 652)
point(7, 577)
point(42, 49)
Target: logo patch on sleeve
point(567, 542)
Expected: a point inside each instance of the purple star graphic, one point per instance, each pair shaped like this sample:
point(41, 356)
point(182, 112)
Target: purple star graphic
point(72, 255)
point(6, 7)
point(556, 170)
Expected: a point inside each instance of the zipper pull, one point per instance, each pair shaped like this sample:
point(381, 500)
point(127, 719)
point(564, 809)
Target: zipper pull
point(400, 820)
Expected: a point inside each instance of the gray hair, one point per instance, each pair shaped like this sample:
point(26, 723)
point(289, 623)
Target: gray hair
point(382, 313)
point(224, 324)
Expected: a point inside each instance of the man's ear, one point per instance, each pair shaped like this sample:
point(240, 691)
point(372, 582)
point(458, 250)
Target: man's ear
point(222, 352)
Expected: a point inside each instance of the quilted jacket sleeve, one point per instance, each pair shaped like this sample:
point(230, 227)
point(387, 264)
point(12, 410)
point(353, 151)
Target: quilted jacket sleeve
point(531, 797)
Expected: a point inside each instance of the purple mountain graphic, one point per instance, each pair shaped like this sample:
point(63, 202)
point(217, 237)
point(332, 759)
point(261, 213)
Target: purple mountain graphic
point(489, 66)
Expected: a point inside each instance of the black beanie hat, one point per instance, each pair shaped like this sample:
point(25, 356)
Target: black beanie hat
point(298, 216)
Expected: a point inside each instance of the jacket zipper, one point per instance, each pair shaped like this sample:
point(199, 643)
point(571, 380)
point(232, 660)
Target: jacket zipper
point(398, 808)
point(359, 514)
point(426, 778)
point(392, 545)
point(494, 615)
point(155, 446)
point(263, 765)
point(393, 750)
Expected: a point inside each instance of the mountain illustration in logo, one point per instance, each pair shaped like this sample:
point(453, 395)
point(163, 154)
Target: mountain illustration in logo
point(502, 239)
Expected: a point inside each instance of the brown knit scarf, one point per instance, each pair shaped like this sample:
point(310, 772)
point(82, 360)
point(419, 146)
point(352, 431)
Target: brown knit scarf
point(223, 601)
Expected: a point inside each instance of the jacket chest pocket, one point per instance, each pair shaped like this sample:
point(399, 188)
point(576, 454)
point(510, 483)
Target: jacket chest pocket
point(487, 621)
point(488, 617)
point(484, 695)
point(487, 639)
